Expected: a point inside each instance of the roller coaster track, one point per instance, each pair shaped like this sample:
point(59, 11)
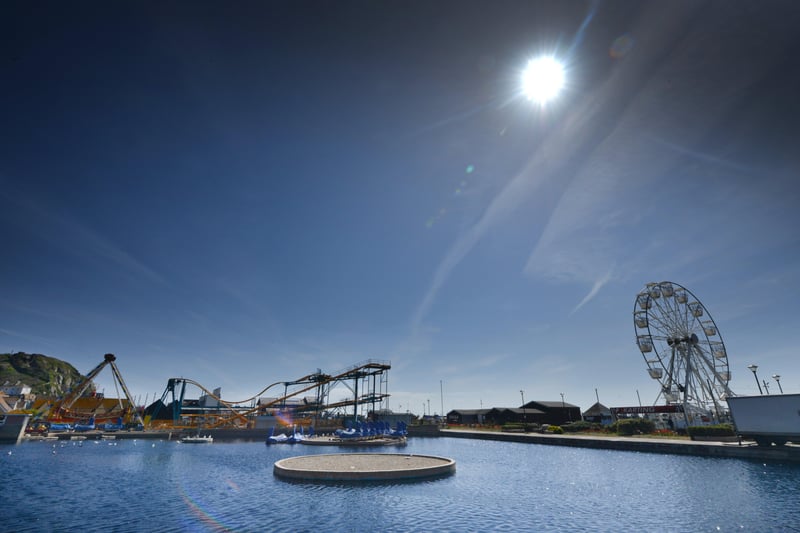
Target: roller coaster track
point(237, 414)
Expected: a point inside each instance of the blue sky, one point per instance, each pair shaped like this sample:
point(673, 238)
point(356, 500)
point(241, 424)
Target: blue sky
point(242, 194)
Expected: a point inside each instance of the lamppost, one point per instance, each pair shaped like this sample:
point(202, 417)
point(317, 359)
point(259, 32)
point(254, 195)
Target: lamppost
point(441, 396)
point(524, 413)
point(753, 369)
point(777, 379)
point(564, 407)
point(766, 385)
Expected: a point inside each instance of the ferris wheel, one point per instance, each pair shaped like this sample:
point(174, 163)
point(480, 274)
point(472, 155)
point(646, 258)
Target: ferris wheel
point(683, 348)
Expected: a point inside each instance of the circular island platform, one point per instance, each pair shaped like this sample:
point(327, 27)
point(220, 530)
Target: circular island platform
point(363, 467)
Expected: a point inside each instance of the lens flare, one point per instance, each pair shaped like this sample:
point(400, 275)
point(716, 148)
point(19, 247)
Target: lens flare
point(621, 46)
point(284, 417)
point(543, 79)
point(200, 510)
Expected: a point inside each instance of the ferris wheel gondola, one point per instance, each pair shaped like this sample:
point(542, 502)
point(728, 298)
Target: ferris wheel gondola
point(682, 348)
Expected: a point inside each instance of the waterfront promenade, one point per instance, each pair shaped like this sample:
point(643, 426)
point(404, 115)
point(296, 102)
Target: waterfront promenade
point(743, 450)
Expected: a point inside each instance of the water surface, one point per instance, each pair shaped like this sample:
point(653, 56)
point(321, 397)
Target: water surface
point(498, 486)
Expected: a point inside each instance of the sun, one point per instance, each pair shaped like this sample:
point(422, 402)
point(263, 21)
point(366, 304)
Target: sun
point(542, 79)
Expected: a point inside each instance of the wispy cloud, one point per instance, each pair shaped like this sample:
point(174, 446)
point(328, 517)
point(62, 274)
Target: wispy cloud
point(514, 194)
point(27, 338)
point(592, 293)
point(617, 217)
point(470, 365)
point(727, 164)
point(64, 231)
point(565, 154)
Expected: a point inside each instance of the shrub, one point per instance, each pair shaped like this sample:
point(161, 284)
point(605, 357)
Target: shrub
point(580, 425)
point(665, 433)
point(519, 426)
point(556, 429)
point(633, 426)
point(719, 430)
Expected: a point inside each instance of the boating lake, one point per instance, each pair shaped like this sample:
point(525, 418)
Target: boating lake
point(143, 485)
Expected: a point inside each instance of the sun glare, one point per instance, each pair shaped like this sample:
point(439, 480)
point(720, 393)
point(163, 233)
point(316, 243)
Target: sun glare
point(542, 79)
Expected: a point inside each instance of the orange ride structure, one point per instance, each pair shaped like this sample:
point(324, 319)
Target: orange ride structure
point(75, 407)
point(304, 401)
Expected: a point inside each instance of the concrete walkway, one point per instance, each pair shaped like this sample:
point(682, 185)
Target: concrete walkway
point(746, 450)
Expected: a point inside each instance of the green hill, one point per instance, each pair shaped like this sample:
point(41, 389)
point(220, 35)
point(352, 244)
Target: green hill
point(45, 375)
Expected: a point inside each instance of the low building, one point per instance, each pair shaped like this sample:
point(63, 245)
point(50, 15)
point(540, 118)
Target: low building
point(598, 414)
point(516, 415)
point(536, 412)
point(5, 407)
point(16, 389)
point(556, 413)
point(392, 418)
point(14, 396)
point(211, 400)
point(467, 416)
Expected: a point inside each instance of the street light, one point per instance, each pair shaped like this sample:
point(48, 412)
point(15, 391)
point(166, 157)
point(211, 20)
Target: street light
point(753, 369)
point(777, 379)
point(524, 413)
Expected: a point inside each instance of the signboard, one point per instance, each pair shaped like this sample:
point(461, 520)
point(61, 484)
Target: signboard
point(646, 409)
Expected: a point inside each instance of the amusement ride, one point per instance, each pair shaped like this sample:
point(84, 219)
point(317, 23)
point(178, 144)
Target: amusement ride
point(683, 350)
